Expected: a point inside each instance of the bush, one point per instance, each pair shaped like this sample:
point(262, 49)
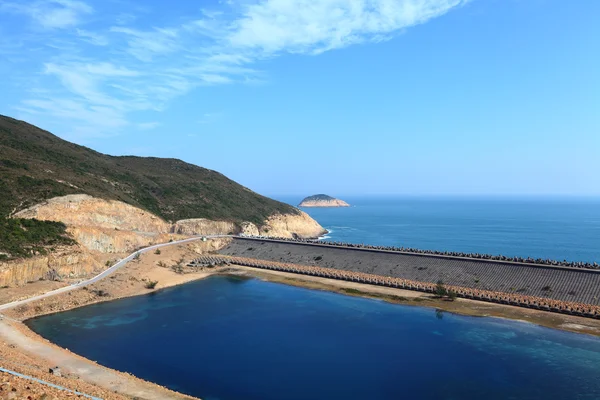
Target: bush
point(157, 252)
point(151, 284)
point(452, 295)
point(28, 237)
point(440, 289)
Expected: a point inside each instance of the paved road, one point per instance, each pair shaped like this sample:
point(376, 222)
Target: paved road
point(104, 273)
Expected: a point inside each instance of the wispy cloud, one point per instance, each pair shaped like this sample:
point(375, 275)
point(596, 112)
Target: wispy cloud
point(305, 26)
point(93, 38)
point(97, 86)
point(146, 126)
point(51, 13)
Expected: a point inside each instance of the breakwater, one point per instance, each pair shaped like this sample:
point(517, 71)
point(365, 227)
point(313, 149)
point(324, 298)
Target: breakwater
point(542, 262)
point(556, 282)
point(513, 299)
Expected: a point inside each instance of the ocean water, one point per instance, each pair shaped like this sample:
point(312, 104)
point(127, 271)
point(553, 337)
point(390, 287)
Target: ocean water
point(245, 339)
point(555, 228)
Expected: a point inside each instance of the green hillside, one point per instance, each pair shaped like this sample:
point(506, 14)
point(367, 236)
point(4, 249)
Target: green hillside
point(36, 165)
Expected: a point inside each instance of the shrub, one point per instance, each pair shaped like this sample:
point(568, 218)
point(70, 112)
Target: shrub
point(28, 237)
point(157, 252)
point(452, 295)
point(151, 284)
point(177, 268)
point(440, 289)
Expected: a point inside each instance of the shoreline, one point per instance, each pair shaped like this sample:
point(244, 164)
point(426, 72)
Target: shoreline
point(465, 307)
point(133, 277)
point(20, 343)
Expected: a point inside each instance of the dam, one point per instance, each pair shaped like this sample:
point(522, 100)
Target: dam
point(557, 283)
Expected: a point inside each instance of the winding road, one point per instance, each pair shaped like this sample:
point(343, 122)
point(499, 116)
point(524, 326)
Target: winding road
point(104, 273)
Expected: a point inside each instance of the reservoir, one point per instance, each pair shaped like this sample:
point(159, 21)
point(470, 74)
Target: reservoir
point(226, 338)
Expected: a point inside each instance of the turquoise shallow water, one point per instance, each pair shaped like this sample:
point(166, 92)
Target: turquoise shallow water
point(536, 227)
point(231, 339)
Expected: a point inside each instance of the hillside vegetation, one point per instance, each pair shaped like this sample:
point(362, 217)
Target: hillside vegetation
point(36, 165)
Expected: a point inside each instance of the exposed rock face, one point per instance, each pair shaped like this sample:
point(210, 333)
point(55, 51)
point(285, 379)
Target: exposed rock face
point(202, 226)
point(249, 229)
point(209, 246)
point(287, 225)
point(70, 261)
point(108, 226)
point(322, 200)
point(84, 210)
point(116, 241)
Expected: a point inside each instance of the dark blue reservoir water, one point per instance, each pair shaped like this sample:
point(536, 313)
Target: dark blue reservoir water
point(555, 228)
point(232, 339)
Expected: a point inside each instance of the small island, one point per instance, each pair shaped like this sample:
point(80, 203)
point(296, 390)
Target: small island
point(322, 200)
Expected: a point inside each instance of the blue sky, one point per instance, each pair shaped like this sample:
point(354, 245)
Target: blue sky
point(299, 97)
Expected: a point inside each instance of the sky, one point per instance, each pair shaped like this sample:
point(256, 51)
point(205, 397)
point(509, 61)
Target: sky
point(344, 97)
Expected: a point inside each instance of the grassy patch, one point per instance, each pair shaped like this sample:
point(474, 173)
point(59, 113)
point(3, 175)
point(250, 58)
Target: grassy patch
point(28, 237)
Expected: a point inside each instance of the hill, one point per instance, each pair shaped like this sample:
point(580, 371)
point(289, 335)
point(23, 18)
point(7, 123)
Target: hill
point(36, 165)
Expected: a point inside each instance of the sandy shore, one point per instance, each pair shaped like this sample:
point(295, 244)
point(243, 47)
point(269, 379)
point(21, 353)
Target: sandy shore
point(24, 351)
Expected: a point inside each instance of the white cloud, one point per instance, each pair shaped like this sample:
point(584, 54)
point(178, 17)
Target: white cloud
point(93, 38)
point(52, 13)
point(306, 26)
point(145, 45)
point(143, 69)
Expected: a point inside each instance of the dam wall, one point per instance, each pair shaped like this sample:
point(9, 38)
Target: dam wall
point(518, 300)
point(558, 283)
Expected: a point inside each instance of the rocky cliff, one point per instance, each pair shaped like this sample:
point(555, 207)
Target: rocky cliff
point(322, 200)
point(84, 210)
point(286, 225)
point(65, 262)
point(103, 227)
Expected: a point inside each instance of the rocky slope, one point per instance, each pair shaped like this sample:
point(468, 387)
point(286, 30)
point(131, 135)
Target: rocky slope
point(322, 200)
point(64, 262)
point(36, 166)
point(103, 227)
point(54, 191)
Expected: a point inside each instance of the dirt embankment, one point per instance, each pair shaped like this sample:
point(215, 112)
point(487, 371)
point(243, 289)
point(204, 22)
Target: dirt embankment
point(166, 267)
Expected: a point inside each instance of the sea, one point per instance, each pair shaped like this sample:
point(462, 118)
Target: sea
point(539, 227)
point(227, 338)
